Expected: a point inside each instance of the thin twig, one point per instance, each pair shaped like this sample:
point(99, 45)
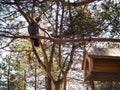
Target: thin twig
point(7, 44)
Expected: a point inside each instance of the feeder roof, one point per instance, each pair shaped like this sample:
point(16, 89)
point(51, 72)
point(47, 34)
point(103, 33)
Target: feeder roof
point(103, 52)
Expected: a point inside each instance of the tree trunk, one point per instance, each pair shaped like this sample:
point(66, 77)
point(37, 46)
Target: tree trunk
point(48, 80)
point(24, 80)
point(48, 83)
point(8, 79)
point(35, 78)
point(60, 84)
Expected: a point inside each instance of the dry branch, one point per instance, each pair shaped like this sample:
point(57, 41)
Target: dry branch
point(76, 4)
point(64, 40)
point(7, 44)
point(10, 3)
point(42, 65)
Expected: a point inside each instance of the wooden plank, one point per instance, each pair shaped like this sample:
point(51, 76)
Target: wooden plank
point(107, 65)
point(86, 69)
point(91, 64)
point(103, 76)
point(84, 60)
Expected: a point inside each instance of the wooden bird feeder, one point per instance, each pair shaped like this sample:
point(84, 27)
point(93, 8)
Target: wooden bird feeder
point(101, 64)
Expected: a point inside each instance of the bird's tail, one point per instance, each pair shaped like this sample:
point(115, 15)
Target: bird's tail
point(36, 42)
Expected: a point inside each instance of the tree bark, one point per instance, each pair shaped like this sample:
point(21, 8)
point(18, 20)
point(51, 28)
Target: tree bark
point(8, 79)
point(56, 40)
point(48, 83)
point(35, 78)
point(24, 79)
point(60, 84)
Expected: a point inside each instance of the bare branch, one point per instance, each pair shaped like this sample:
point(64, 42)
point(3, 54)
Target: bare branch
point(7, 44)
point(64, 40)
point(6, 32)
point(65, 60)
point(41, 64)
point(26, 16)
point(52, 53)
point(10, 3)
point(71, 60)
point(44, 54)
point(17, 50)
point(45, 12)
point(76, 4)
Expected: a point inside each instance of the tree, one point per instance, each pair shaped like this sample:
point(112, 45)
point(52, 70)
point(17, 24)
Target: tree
point(10, 73)
point(74, 23)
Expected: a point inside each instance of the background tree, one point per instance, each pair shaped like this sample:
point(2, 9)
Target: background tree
point(62, 21)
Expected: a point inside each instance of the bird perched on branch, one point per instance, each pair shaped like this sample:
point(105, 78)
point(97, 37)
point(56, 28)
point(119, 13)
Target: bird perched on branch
point(34, 31)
